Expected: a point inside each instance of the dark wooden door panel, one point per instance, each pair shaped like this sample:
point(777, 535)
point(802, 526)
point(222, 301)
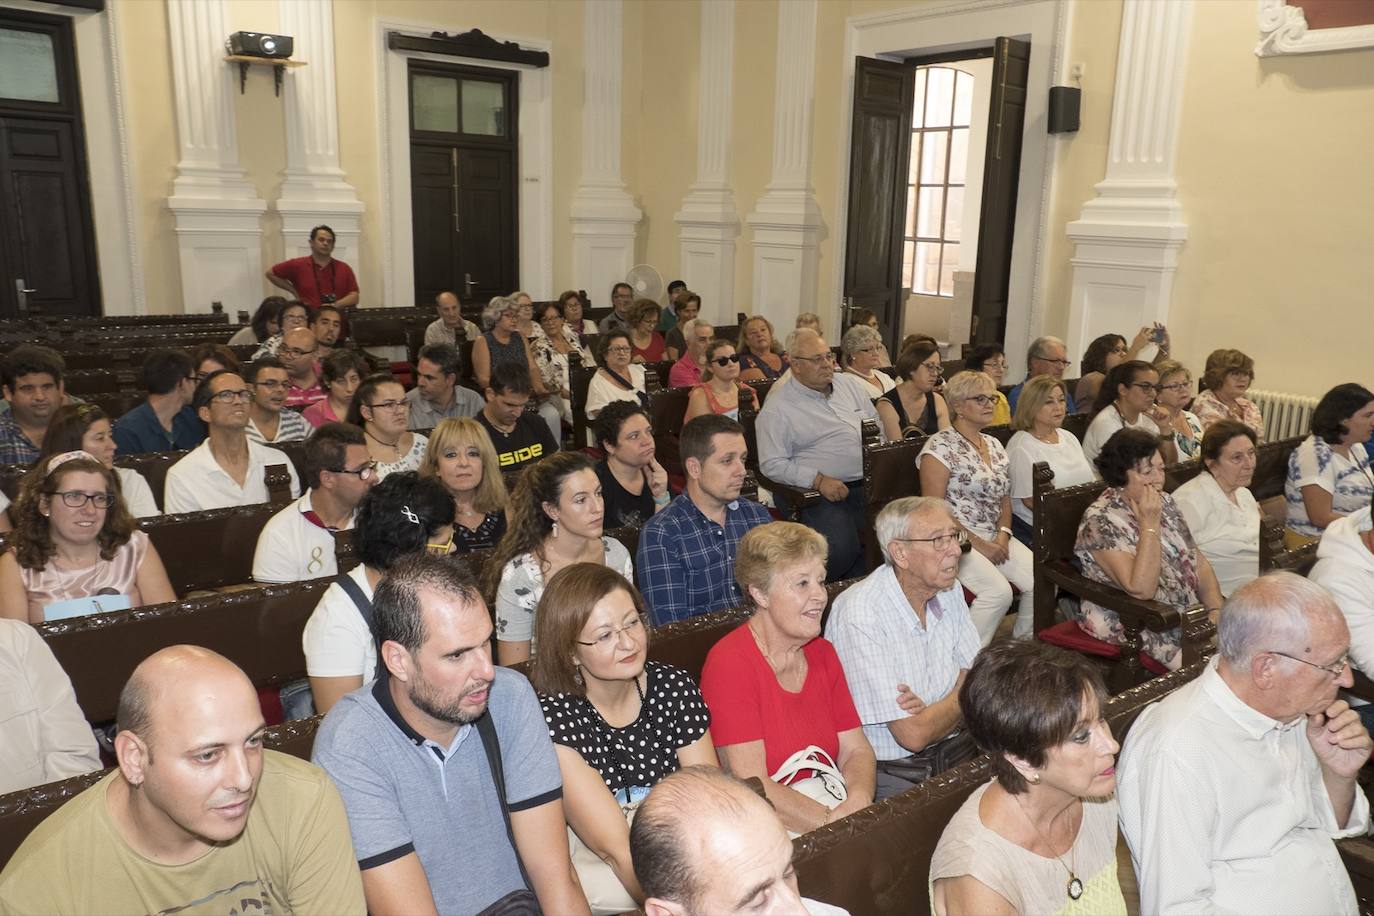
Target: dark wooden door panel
point(880, 143)
point(486, 211)
point(1006, 120)
point(434, 239)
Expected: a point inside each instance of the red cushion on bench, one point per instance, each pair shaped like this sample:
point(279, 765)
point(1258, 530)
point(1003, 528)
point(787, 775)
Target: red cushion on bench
point(1069, 635)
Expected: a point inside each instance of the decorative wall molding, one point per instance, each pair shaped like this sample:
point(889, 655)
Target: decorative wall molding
point(216, 209)
point(708, 223)
point(535, 131)
point(1128, 238)
point(786, 222)
point(1283, 30)
point(604, 215)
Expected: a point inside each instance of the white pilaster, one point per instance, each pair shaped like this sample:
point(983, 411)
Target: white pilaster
point(604, 215)
point(1128, 238)
point(708, 223)
point(216, 210)
point(313, 188)
point(786, 222)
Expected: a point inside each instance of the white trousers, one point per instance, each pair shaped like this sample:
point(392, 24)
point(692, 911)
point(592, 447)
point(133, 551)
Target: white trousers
point(991, 586)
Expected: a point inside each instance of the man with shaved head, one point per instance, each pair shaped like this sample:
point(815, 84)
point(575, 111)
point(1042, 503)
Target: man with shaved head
point(300, 354)
point(703, 843)
point(197, 818)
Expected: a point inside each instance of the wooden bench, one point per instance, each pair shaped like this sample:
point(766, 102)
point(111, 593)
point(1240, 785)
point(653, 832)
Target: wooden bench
point(889, 473)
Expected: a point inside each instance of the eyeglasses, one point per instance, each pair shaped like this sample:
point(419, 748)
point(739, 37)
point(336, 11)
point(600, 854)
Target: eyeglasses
point(273, 385)
point(724, 361)
point(1176, 386)
point(293, 353)
point(995, 364)
point(388, 405)
point(867, 350)
point(1335, 669)
point(1053, 362)
point(75, 499)
point(826, 357)
point(611, 637)
point(987, 400)
point(548, 318)
point(617, 349)
point(940, 541)
point(933, 368)
point(441, 550)
point(230, 396)
point(1147, 387)
point(364, 473)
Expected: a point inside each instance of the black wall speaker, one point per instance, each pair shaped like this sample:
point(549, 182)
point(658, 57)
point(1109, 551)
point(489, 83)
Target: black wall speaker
point(259, 44)
point(1063, 115)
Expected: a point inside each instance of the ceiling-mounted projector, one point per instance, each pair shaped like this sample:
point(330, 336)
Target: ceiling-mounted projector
point(259, 44)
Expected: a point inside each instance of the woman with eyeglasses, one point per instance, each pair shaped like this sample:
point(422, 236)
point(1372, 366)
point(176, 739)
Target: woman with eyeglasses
point(341, 372)
point(1226, 377)
point(720, 390)
point(970, 470)
point(461, 457)
point(1040, 437)
point(760, 355)
point(402, 515)
point(571, 303)
point(618, 379)
point(1125, 402)
point(75, 549)
point(554, 353)
point(1181, 426)
point(1109, 351)
point(1133, 537)
point(645, 338)
point(619, 722)
point(991, 360)
point(380, 408)
point(502, 342)
point(85, 427)
point(556, 520)
point(295, 314)
point(866, 318)
point(1219, 508)
point(913, 408)
point(859, 349)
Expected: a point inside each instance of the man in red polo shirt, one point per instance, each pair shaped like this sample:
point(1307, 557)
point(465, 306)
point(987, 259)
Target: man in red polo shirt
point(317, 279)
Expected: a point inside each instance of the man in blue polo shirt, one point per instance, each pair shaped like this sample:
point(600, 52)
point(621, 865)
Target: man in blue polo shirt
point(1045, 356)
point(165, 422)
point(444, 762)
point(686, 556)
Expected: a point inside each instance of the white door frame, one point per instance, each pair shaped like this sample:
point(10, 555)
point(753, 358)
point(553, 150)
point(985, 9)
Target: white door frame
point(534, 187)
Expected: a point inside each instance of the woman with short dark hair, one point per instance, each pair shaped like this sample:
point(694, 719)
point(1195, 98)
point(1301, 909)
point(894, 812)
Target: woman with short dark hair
point(1041, 837)
point(341, 372)
point(914, 406)
point(1329, 474)
point(619, 723)
point(1133, 537)
point(648, 343)
point(266, 321)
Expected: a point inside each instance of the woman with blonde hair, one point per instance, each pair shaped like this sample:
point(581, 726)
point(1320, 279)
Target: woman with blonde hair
point(76, 550)
point(460, 455)
point(619, 722)
point(720, 390)
point(781, 709)
point(1226, 377)
point(760, 355)
point(1040, 437)
point(1183, 427)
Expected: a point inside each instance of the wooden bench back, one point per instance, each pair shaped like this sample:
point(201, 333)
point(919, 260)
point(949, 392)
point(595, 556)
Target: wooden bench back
point(889, 473)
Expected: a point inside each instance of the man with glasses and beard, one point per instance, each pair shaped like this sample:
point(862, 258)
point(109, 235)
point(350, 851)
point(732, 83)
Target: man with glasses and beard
point(445, 763)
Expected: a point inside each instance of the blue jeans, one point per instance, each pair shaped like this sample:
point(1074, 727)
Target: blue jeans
point(840, 523)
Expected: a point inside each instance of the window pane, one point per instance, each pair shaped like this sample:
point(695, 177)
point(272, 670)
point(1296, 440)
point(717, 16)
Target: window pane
point(939, 97)
point(914, 163)
point(954, 214)
point(958, 155)
point(435, 100)
point(927, 278)
point(949, 262)
point(27, 68)
point(963, 100)
point(908, 263)
point(933, 157)
point(910, 210)
point(919, 107)
point(928, 213)
point(484, 108)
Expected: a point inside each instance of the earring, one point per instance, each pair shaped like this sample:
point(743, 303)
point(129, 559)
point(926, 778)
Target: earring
point(577, 675)
point(555, 527)
point(1034, 779)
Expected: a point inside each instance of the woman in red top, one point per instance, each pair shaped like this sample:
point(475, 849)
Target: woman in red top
point(775, 687)
point(647, 342)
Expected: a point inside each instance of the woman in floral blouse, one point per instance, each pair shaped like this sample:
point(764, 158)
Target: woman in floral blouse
point(969, 470)
point(1329, 474)
point(1133, 537)
point(553, 353)
point(1227, 376)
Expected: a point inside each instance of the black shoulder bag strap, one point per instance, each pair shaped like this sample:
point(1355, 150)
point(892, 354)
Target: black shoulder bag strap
point(351, 588)
point(486, 730)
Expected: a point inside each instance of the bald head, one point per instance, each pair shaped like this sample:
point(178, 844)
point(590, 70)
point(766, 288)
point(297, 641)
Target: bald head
point(300, 338)
point(177, 681)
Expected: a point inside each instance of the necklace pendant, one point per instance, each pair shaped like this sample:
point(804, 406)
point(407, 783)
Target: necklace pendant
point(1075, 887)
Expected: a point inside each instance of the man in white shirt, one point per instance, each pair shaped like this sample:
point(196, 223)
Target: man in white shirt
point(227, 469)
point(437, 394)
point(1345, 567)
point(298, 542)
point(1233, 788)
point(906, 629)
point(444, 329)
point(704, 842)
point(43, 735)
point(267, 421)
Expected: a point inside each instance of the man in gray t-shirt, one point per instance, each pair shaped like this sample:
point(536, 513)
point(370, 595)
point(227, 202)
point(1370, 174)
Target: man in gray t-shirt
point(410, 754)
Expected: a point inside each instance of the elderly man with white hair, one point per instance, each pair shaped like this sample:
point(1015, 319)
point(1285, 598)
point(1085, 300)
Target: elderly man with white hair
point(1045, 356)
point(686, 372)
point(1234, 787)
point(810, 436)
point(906, 641)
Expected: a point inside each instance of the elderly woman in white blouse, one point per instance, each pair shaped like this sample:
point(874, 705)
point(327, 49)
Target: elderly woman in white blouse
point(1220, 510)
point(1040, 437)
point(969, 470)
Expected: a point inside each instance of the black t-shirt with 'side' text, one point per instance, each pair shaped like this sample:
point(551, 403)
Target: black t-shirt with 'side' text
point(530, 441)
point(623, 508)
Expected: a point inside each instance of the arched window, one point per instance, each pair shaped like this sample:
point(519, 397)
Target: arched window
point(935, 179)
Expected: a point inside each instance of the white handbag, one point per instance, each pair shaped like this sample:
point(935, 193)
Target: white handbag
point(826, 786)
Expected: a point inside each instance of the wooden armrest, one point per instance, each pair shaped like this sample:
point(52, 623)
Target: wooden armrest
point(1299, 560)
point(796, 498)
point(1148, 613)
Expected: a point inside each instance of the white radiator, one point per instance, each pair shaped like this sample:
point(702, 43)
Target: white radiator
point(1285, 415)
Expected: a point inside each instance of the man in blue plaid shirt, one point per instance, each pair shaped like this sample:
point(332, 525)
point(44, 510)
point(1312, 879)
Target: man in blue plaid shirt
point(686, 557)
point(33, 387)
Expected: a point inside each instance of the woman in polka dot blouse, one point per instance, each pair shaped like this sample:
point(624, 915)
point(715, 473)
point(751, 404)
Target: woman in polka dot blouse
point(619, 723)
